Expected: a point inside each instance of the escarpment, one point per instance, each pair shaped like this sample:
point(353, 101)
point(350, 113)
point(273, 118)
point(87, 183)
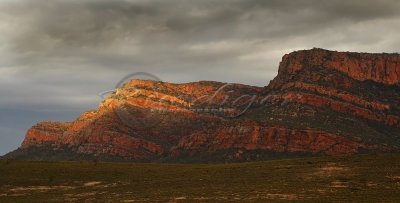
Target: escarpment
point(320, 103)
point(380, 68)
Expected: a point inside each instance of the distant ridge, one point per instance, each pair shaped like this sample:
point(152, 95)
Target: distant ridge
point(321, 103)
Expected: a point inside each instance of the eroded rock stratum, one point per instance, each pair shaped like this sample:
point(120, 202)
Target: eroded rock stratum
point(320, 103)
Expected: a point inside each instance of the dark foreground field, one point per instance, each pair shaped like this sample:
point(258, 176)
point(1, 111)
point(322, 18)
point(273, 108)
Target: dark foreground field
point(366, 178)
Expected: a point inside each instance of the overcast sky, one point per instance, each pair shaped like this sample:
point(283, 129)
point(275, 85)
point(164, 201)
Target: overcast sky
point(57, 55)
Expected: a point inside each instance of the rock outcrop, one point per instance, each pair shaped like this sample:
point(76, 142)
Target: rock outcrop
point(380, 68)
point(321, 103)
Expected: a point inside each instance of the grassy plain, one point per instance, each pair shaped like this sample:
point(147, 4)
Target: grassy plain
point(355, 178)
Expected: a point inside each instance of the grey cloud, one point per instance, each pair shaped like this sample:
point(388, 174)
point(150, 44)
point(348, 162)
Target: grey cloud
point(78, 24)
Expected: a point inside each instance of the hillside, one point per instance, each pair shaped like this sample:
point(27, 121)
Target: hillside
point(320, 103)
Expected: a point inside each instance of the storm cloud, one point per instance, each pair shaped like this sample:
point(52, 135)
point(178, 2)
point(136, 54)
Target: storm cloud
point(57, 55)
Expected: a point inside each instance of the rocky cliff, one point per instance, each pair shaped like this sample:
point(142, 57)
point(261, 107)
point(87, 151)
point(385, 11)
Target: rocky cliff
point(380, 68)
point(321, 103)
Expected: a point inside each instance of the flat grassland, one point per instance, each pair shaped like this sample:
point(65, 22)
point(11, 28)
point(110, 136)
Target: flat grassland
point(356, 178)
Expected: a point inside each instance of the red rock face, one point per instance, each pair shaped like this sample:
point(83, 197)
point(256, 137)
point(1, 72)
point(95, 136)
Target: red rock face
point(381, 68)
point(44, 133)
point(321, 102)
point(270, 138)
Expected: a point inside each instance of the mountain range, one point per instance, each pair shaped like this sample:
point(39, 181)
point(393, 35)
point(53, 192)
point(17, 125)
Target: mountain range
point(321, 103)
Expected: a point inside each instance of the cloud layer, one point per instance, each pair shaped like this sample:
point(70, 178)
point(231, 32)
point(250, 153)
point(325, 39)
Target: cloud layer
point(57, 55)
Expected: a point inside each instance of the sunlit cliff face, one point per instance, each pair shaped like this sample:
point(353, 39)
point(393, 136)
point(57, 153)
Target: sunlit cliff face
point(317, 104)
